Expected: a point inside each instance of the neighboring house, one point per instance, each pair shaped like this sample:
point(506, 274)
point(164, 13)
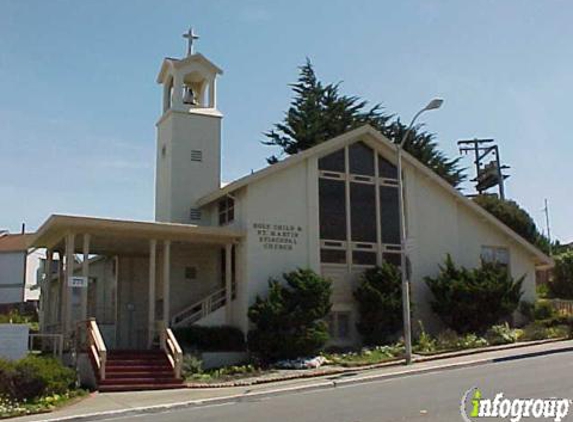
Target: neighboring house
point(212, 250)
point(17, 269)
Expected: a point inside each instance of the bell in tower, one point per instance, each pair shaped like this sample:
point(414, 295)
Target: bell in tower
point(189, 97)
point(189, 83)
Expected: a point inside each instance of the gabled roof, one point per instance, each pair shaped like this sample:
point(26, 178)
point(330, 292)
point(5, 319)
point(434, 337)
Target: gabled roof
point(15, 242)
point(176, 63)
point(368, 133)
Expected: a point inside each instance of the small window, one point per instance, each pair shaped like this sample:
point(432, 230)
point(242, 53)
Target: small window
point(333, 256)
point(386, 169)
point(332, 209)
point(495, 255)
point(339, 325)
point(163, 151)
point(393, 259)
point(226, 210)
point(363, 258)
point(361, 159)
point(195, 214)
point(196, 155)
point(333, 162)
point(390, 215)
point(190, 273)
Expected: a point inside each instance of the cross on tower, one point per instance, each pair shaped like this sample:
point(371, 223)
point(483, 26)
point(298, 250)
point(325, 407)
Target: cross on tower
point(191, 37)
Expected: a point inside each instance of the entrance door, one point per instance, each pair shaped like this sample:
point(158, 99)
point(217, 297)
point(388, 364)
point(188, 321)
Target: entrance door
point(132, 293)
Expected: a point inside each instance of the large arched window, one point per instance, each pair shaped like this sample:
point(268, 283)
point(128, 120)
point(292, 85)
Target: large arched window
point(358, 207)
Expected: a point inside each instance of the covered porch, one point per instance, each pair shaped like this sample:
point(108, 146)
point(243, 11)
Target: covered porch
point(133, 278)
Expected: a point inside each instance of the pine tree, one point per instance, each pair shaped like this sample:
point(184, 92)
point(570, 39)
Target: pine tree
point(320, 112)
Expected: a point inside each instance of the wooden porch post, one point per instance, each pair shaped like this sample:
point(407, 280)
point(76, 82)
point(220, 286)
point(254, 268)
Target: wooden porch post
point(152, 272)
point(45, 291)
point(166, 280)
point(86, 274)
point(228, 281)
point(69, 272)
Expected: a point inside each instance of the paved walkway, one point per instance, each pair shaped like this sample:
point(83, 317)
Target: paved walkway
point(115, 402)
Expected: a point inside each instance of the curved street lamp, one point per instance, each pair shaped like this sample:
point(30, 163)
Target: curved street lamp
point(432, 105)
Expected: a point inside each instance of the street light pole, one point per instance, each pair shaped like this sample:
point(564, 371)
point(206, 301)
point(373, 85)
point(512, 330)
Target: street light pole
point(432, 105)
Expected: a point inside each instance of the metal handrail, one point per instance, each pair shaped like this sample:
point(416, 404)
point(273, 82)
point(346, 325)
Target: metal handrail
point(96, 346)
point(57, 341)
point(200, 309)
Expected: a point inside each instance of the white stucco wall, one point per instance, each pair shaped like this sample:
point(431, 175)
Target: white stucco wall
point(286, 199)
point(12, 277)
point(440, 224)
point(180, 182)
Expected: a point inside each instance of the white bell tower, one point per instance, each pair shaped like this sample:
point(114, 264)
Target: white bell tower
point(188, 137)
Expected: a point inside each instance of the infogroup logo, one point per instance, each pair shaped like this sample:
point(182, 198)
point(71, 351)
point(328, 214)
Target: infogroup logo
point(474, 406)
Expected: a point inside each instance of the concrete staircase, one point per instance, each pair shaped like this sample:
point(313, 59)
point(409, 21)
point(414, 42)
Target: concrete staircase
point(136, 370)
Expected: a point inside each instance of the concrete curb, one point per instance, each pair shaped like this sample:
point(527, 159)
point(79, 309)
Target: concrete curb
point(295, 389)
point(396, 362)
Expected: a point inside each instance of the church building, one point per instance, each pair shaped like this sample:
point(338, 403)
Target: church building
point(212, 249)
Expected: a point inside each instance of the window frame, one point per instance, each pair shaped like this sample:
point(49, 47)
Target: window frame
point(226, 210)
point(378, 181)
point(496, 249)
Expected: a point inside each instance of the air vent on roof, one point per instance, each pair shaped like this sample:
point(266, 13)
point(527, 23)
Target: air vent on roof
point(195, 214)
point(196, 155)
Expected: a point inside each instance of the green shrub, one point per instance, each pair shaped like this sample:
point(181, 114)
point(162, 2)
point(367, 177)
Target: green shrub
point(471, 341)
point(543, 310)
point(527, 310)
point(473, 300)
point(211, 339)
point(542, 291)
point(289, 322)
point(559, 331)
point(535, 331)
point(425, 342)
point(561, 284)
point(7, 371)
point(33, 377)
point(379, 298)
point(191, 365)
point(56, 378)
point(502, 334)
point(448, 340)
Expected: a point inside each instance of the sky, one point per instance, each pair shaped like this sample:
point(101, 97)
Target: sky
point(79, 102)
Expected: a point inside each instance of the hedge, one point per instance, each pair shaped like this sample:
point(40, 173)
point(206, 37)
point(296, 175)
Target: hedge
point(33, 377)
point(211, 339)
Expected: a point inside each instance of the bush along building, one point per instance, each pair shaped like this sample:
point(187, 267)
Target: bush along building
point(332, 209)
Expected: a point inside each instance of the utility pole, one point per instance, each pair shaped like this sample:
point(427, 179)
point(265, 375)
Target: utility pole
point(546, 210)
point(488, 174)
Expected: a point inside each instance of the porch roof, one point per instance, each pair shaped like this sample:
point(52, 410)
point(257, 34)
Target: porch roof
point(110, 234)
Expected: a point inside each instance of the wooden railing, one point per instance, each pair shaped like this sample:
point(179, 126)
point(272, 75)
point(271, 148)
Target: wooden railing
point(201, 309)
point(563, 307)
point(170, 346)
point(56, 342)
point(96, 346)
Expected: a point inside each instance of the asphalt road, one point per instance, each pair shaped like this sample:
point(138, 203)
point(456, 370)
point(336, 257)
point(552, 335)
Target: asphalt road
point(430, 397)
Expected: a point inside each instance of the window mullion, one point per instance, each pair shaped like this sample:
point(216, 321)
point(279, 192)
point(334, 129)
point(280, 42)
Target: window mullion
point(378, 222)
point(347, 203)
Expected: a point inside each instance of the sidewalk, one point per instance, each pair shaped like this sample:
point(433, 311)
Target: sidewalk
point(107, 405)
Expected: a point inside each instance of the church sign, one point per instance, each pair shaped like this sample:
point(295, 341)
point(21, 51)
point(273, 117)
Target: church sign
point(281, 237)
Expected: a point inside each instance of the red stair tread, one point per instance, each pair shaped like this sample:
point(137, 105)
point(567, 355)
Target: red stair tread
point(134, 370)
point(140, 387)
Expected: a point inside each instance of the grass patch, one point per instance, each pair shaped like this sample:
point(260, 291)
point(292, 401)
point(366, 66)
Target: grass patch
point(225, 374)
point(11, 408)
point(366, 356)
